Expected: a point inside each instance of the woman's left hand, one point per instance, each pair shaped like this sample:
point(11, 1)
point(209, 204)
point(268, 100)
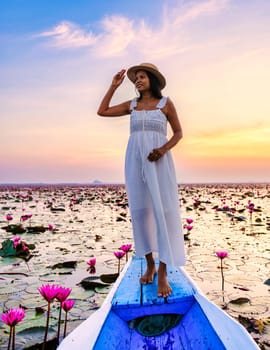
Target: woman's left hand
point(155, 155)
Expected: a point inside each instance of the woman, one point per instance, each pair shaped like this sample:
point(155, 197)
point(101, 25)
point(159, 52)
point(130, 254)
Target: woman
point(149, 171)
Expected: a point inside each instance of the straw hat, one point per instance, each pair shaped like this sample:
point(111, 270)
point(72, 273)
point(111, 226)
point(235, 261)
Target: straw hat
point(131, 73)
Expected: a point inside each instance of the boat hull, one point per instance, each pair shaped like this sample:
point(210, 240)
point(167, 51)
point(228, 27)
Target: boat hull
point(133, 317)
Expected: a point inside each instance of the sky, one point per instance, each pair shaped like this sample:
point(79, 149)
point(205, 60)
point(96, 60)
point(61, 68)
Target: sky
point(57, 61)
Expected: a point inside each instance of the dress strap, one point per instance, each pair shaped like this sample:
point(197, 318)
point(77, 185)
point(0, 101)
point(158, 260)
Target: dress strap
point(162, 102)
point(133, 103)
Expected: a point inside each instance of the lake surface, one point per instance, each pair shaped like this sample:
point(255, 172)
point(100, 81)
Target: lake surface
point(93, 221)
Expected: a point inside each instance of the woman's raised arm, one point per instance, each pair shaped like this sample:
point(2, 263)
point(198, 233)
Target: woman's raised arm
point(104, 109)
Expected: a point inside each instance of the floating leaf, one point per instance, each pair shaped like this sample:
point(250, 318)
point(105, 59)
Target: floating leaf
point(7, 248)
point(65, 264)
point(87, 284)
point(240, 301)
point(267, 282)
point(109, 277)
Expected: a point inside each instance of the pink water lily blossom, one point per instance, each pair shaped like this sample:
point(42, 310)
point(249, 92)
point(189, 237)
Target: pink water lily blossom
point(119, 254)
point(16, 241)
point(51, 227)
point(221, 254)
point(189, 221)
point(189, 227)
point(9, 217)
point(68, 304)
point(63, 293)
point(49, 292)
point(13, 316)
point(251, 208)
point(91, 265)
point(26, 217)
point(126, 247)
point(92, 262)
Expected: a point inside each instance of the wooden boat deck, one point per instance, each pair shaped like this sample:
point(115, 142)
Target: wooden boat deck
point(202, 325)
point(132, 293)
point(133, 300)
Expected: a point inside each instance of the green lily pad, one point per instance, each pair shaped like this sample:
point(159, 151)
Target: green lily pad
point(80, 294)
point(109, 277)
point(240, 301)
point(102, 290)
point(65, 264)
point(88, 283)
point(267, 282)
point(7, 248)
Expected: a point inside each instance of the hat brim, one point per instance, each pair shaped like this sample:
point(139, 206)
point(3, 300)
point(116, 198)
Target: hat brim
point(131, 73)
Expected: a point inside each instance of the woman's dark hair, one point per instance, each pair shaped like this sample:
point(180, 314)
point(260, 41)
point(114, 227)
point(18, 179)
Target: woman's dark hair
point(154, 85)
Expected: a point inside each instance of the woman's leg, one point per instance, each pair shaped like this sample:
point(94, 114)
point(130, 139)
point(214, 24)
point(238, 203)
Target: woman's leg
point(164, 289)
point(148, 277)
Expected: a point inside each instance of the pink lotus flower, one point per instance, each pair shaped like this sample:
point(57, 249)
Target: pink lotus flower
point(251, 208)
point(67, 305)
point(126, 248)
point(13, 316)
point(222, 254)
point(9, 217)
point(63, 293)
point(61, 296)
point(25, 217)
point(119, 255)
point(16, 241)
point(51, 227)
point(92, 262)
point(49, 292)
point(189, 221)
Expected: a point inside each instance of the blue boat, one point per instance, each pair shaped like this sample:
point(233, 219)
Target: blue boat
point(133, 317)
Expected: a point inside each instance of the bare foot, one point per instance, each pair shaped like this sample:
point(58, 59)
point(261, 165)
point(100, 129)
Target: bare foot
point(164, 289)
point(149, 275)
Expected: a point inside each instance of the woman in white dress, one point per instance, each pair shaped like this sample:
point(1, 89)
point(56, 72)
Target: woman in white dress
point(149, 171)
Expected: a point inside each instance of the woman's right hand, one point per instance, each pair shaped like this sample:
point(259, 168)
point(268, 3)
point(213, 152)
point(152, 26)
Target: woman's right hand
point(118, 78)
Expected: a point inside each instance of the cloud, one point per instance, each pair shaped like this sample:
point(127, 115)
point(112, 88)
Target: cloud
point(120, 35)
point(189, 12)
point(68, 35)
point(117, 34)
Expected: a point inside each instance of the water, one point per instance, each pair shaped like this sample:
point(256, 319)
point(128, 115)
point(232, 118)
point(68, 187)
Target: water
point(95, 222)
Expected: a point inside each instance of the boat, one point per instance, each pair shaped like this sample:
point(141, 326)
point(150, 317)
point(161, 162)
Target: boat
point(133, 317)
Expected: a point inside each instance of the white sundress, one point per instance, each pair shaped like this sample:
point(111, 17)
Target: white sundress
point(152, 188)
